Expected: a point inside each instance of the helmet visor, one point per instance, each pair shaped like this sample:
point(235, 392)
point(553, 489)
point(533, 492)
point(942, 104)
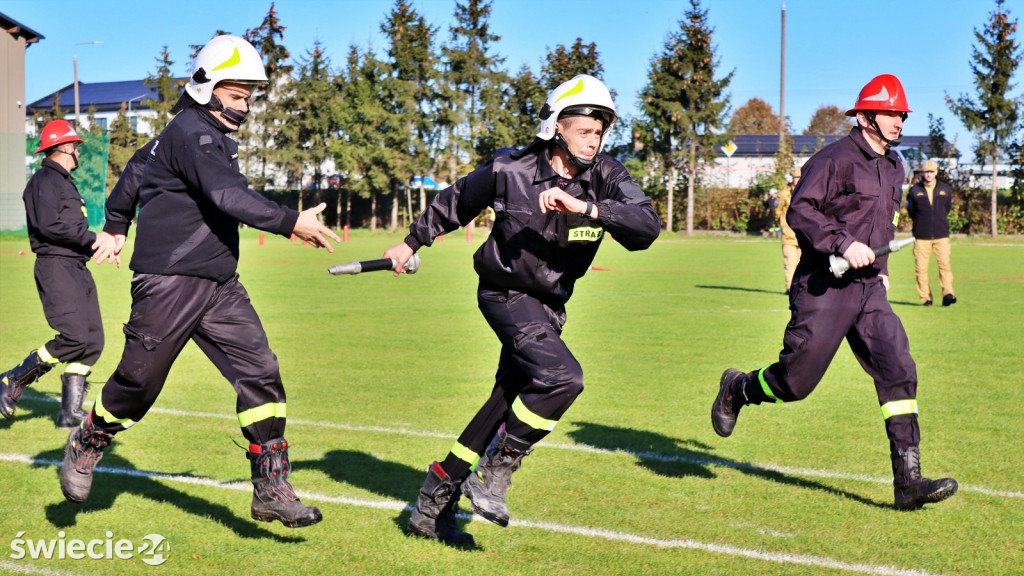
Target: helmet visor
point(602, 114)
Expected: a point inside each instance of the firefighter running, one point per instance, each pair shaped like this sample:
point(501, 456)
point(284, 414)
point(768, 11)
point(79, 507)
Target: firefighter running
point(553, 202)
point(58, 233)
point(192, 198)
point(848, 200)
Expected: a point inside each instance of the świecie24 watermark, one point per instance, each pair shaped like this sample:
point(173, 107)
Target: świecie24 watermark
point(153, 549)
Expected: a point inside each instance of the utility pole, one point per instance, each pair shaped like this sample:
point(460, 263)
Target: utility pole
point(75, 62)
point(782, 83)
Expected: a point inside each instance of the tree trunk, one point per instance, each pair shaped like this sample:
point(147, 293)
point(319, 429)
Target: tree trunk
point(394, 207)
point(373, 211)
point(995, 196)
point(348, 208)
point(339, 200)
point(689, 187)
point(670, 188)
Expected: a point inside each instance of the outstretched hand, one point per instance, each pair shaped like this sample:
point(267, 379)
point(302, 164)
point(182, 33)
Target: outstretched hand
point(107, 248)
point(309, 228)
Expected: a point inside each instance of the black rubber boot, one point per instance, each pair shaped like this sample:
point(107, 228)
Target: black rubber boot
point(82, 453)
point(730, 399)
point(912, 490)
point(14, 381)
point(72, 394)
point(434, 514)
point(273, 497)
point(487, 485)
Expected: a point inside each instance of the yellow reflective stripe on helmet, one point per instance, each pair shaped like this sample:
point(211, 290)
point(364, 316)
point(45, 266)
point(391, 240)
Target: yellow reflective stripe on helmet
point(108, 417)
point(578, 88)
point(259, 413)
point(232, 61)
point(531, 419)
point(45, 356)
point(898, 408)
point(764, 385)
point(465, 454)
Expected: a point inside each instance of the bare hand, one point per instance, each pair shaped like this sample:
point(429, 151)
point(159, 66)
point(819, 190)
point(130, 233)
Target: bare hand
point(400, 253)
point(309, 228)
point(885, 281)
point(859, 255)
point(558, 200)
point(107, 248)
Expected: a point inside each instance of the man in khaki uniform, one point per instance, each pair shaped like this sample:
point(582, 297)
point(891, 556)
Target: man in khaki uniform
point(790, 249)
point(928, 205)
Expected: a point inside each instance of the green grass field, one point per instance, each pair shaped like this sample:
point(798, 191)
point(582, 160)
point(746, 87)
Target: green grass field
point(383, 373)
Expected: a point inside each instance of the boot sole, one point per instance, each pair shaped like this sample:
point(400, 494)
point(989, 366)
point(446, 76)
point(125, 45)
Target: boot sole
point(493, 519)
point(288, 523)
point(720, 401)
point(937, 496)
point(470, 542)
point(489, 516)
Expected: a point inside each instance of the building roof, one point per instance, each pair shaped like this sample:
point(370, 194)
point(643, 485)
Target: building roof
point(15, 28)
point(759, 145)
point(105, 96)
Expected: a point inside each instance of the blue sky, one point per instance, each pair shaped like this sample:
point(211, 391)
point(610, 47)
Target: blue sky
point(833, 47)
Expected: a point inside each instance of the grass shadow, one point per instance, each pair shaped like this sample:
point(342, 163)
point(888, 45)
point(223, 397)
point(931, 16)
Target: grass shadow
point(388, 479)
point(676, 458)
point(121, 477)
point(740, 289)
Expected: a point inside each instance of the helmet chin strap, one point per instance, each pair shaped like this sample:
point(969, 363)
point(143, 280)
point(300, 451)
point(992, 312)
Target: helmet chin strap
point(890, 143)
point(581, 163)
point(232, 115)
point(73, 158)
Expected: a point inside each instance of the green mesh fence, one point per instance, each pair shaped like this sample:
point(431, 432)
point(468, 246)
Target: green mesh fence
point(91, 175)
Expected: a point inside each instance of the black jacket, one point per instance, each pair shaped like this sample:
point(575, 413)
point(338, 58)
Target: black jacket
point(124, 198)
point(847, 193)
point(192, 199)
point(56, 215)
point(527, 251)
point(931, 220)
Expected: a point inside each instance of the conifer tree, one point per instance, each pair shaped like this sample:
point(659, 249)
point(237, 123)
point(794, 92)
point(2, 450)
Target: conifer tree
point(684, 106)
point(167, 89)
point(260, 154)
point(994, 117)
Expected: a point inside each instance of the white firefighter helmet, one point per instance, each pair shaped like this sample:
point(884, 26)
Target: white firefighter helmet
point(224, 58)
point(582, 95)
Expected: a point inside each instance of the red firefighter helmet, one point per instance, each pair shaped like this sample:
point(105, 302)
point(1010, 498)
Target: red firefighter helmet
point(882, 93)
point(57, 132)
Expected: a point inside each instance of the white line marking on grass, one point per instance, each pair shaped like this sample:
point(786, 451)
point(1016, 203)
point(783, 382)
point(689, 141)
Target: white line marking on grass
point(23, 568)
point(657, 456)
point(394, 505)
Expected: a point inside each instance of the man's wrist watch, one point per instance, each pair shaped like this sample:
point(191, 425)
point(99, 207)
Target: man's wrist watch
point(590, 210)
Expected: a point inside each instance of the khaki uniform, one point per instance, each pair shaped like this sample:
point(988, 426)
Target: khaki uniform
point(790, 248)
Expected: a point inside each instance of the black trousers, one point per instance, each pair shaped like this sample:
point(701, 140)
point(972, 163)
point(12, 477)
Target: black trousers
point(537, 379)
point(167, 312)
point(824, 312)
point(72, 308)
